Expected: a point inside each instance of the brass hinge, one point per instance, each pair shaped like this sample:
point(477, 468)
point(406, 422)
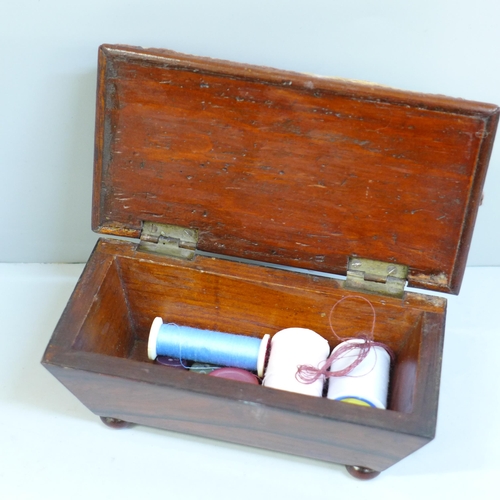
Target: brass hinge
point(373, 276)
point(166, 239)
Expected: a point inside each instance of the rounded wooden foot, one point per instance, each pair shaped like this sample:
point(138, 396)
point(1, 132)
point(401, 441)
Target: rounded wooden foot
point(363, 473)
point(115, 423)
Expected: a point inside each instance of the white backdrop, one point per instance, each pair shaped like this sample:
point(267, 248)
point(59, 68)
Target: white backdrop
point(48, 72)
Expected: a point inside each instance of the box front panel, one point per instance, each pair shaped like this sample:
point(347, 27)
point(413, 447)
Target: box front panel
point(239, 422)
point(100, 355)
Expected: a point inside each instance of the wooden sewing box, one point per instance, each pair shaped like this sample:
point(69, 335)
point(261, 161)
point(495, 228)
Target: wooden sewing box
point(245, 193)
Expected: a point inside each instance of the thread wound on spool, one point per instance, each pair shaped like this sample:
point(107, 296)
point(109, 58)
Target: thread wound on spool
point(357, 369)
point(289, 348)
point(309, 374)
point(218, 348)
point(367, 382)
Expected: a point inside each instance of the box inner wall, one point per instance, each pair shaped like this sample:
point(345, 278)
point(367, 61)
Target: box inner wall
point(135, 290)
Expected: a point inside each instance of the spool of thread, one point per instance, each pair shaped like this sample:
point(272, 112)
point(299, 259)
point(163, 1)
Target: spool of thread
point(206, 346)
point(291, 348)
point(368, 383)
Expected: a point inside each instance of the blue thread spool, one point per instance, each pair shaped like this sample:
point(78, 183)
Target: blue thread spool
point(206, 346)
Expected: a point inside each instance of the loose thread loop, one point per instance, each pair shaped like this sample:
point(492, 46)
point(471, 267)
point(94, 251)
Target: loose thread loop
point(308, 374)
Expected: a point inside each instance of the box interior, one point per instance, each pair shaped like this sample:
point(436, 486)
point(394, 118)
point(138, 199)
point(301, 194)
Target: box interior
point(250, 300)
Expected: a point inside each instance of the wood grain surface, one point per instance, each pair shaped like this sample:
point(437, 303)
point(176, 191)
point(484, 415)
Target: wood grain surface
point(98, 351)
point(289, 168)
point(279, 168)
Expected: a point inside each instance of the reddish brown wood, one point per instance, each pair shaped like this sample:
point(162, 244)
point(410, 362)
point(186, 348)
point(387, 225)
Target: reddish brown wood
point(283, 168)
point(288, 168)
point(215, 294)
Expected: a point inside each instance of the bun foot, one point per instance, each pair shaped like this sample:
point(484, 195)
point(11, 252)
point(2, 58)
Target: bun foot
point(115, 423)
point(363, 473)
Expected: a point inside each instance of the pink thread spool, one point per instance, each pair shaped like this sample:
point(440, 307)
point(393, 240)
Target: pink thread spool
point(291, 348)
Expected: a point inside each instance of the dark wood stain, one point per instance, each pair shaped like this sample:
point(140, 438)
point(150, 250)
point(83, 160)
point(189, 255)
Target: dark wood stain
point(288, 169)
point(293, 169)
point(98, 351)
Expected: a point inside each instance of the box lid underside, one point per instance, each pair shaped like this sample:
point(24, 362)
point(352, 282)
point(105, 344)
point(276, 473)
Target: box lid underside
point(289, 168)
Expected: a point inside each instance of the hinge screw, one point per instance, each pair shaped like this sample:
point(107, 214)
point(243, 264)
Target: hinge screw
point(391, 269)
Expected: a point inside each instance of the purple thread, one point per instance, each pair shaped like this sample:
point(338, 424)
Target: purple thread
point(308, 374)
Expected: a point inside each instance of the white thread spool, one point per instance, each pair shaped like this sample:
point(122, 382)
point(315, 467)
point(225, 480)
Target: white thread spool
point(368, 383)
point(291, 348)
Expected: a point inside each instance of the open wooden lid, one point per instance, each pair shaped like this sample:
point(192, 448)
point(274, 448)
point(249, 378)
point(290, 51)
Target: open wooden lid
point(289, 168)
